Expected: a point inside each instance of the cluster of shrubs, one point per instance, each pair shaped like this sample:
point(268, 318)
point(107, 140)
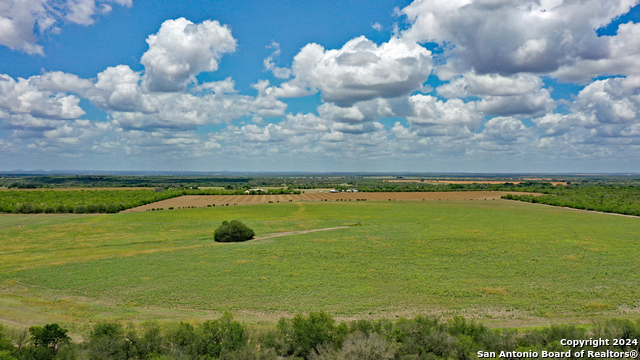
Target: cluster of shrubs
point(311, 337)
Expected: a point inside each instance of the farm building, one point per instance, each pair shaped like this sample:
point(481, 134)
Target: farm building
point(255, 190)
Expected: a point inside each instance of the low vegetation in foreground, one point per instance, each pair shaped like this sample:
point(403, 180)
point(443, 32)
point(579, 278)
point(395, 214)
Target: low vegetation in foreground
point(317, 336)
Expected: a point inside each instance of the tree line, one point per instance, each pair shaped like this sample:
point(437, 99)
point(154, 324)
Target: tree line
point(527, 186)
point(606, 198)
point(99, 201)
point(314, 336)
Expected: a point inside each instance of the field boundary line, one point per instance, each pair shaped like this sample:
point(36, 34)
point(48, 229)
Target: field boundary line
point(583, 210)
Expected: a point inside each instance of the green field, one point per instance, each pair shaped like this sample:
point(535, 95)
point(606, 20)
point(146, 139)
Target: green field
point(505, 263)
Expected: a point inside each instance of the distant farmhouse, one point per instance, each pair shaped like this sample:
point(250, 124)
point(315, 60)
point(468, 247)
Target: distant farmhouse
point(257, 191)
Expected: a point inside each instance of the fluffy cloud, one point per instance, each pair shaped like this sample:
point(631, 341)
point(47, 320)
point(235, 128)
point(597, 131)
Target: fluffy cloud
point(362, 111)
point(118, 89)
point(19, 18)
point(520, 94)
point(490, 85)
point(508, 37)
point(271, 132)
point(605, 108)
point(429, 111)
point(612, 101)
point(623, 58)
point(32, 107)
point(188, 111)
point(360, 70)
point(533, 104)
point(58, 81)
point(83, 11)
point(22, 97)
point(17, 21)
point(503, 130)
point(181, 50)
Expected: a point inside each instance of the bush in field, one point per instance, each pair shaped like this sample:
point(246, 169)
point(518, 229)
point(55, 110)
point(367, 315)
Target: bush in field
point(5, 343)
point(233, 231)
point(6, 355)
point(148, 343)
point(358, 346)
point(221, 336)
point(307, 335)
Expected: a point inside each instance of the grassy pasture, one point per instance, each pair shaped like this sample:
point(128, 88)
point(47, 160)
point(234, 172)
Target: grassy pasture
point(507, 263)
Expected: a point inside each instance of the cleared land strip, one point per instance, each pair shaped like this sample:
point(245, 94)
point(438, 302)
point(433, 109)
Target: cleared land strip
point(231, 200)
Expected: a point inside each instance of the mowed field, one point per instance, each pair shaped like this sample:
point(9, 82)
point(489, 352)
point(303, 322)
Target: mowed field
point(231, 200)
point(503, 262)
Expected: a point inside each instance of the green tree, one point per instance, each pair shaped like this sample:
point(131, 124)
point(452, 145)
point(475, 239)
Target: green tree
point(233, 231)
point(221, 336)
point(6, 355)
point(5, 343)
point(107, 342)
point(307, 334)
point(50, 336)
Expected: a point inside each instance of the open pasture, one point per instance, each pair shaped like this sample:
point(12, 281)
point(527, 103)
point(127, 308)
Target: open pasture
point(230, 200)
point(493, 182)
point(506, 263)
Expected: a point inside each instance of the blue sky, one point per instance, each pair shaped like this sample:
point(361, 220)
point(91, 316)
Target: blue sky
point(425, 85)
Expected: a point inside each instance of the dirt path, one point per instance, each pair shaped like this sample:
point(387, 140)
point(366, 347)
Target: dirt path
point(13, 323)
point(269, 236)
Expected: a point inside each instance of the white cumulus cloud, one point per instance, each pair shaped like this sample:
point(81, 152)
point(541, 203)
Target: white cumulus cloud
point(360, 70)
point(19, 19)
point(22, 97)
point(490, 84)
point(509, 37)
point(181, 50)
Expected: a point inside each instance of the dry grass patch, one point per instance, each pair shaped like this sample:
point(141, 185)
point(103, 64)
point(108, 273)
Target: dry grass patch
point(495, 291)
point(571, 257)
point(597, 306)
